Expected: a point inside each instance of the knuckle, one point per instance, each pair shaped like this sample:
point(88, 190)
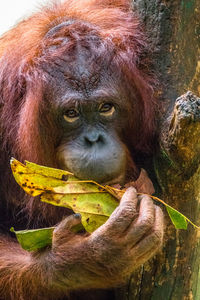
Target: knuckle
point(121, 215)
point(146, 223)
point(157, 238)
point(146, 197)
point(131, 190)
point(101, 237)
point(129, 195)
point(126, 211)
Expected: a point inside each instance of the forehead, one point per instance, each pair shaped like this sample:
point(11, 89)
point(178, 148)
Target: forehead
point(74, 54)
point(81, 72)
point(79, 78)
point(86, 91)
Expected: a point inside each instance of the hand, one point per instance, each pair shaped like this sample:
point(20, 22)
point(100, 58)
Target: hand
point(132, 235)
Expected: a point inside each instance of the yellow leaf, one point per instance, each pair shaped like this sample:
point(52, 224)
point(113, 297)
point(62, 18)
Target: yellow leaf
point(94, 202)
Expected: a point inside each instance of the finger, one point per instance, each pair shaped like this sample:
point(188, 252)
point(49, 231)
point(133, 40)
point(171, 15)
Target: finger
point(144, 222)
point(66, 224)
point(124, 214)
point(152, 242)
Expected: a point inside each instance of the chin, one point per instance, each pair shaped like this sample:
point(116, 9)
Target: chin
point(117, 180)
point(104, 180)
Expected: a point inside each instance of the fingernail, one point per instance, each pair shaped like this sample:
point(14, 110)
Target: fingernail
point(77, 216)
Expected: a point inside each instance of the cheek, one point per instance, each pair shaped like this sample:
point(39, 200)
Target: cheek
point(103, 164)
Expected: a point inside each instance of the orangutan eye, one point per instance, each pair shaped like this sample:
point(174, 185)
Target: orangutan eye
point(106, 109)
point(71, 115)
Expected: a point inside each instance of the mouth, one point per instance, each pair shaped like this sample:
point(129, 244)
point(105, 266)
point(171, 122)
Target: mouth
point(99, 174)
point(119, 180)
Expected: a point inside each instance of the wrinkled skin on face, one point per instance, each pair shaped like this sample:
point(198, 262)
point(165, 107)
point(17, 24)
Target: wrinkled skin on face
point(92, 116)
point(90, 145)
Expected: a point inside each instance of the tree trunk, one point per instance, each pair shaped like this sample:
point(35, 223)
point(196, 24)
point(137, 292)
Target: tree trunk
point(174, 31)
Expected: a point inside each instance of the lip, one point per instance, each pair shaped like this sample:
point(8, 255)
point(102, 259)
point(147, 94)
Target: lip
point(116, 180)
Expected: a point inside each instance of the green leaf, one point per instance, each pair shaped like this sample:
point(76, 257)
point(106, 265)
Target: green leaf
point(34, 239)
point(179, 220)
point(95, 208)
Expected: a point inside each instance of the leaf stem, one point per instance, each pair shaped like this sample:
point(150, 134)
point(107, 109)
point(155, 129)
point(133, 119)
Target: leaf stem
point(161, 201)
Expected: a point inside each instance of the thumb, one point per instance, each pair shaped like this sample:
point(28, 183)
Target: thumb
point(63, 232)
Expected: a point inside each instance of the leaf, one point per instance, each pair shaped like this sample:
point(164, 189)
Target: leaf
point(94, 202)
point(46, 171)
point(61, 188)
point(175, 216)
point(179, 220)
point(34, 239)
point(95, 208)
point(35, 179)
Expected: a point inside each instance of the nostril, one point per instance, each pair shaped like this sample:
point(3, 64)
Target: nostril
point(87, 141)
point(93, 138)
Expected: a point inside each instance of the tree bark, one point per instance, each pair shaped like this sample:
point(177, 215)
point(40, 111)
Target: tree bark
point(173, 27)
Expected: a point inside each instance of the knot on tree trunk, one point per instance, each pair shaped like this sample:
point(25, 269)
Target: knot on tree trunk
point(180, 138)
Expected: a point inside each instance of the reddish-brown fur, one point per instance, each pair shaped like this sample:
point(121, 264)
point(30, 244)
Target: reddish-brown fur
point(23, 113)
point(21, 46)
